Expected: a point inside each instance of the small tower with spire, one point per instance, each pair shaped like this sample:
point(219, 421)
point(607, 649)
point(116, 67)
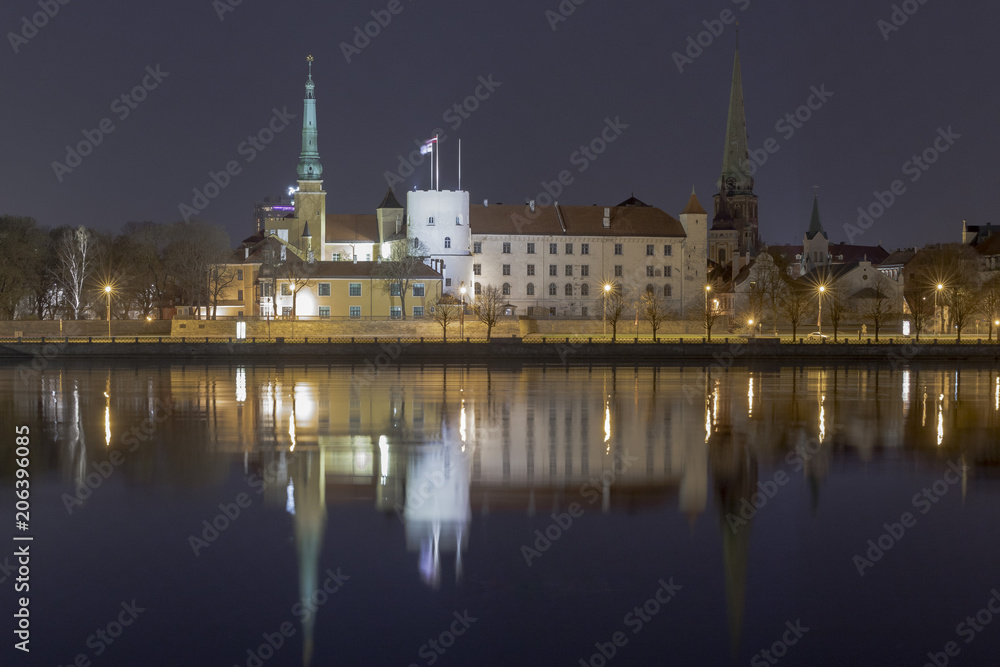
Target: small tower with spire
point(310, 200)
point(694, 219)
point(815, 243)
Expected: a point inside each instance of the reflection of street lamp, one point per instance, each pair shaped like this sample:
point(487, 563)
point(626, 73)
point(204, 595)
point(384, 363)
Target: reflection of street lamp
point(607, 289)
point(463, 290)
point(819, 318)
point(107, 290)
point(939, 288)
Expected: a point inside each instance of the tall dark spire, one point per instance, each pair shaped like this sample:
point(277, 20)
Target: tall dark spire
point(736, 178)
point(815, 226)
point(310, 168)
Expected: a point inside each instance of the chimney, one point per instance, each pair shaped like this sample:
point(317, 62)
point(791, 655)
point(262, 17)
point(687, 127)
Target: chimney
point(399, 222)
point(532, 204)
point(246, 252)
point(486, 203)
point(607, 218)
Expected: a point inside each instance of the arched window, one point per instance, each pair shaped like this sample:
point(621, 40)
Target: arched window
point(553, 290)
point(479, 289)
point(531, 289)
point(667, 291)
point(506, 289)
point(722, 256)
point(569, 289)
point(585, 290)
point(447, 242)
point(650, 289)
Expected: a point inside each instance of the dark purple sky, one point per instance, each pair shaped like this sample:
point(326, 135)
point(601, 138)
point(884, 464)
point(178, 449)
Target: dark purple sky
point(607, 60)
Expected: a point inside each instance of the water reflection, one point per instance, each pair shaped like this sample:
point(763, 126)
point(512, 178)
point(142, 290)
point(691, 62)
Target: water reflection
point(436, 446)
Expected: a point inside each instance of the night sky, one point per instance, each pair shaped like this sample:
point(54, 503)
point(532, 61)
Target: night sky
point(607, 60)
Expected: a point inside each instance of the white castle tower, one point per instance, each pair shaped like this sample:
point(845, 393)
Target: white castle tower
point(440, 220)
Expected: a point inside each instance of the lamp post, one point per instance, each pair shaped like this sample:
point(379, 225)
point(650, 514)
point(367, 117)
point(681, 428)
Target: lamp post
point(463, 290)
point(607, 289)
point(708, 329)
point(819, 318)
point(938, 291)
point(107, 290)
point(750, 324)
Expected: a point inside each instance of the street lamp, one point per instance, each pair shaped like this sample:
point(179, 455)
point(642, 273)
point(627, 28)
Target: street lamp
point(708, 329)
point(607, 289)
point(939, 288)
point(819, 318)
point(463, 290)
point(107, 290)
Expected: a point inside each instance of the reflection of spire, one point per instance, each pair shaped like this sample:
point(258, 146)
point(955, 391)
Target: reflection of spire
point(309, 492)
point(735, 472)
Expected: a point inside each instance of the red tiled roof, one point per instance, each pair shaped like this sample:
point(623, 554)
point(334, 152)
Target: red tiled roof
point(512, 220)
point(351, 228)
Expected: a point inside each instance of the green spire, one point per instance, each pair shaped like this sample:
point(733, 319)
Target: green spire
point(815, 226)
point(310, 168)
point(736, 178)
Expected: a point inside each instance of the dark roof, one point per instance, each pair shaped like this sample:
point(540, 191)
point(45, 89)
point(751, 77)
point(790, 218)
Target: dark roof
point(787, 251)
point(361, 270)
point(632, 201)
point(900, 257)
point(349, 228)
point(513, 220)
point(694, 206)
point(989, 246)
point(389, 201)
point(855, 253)
point(823, 274)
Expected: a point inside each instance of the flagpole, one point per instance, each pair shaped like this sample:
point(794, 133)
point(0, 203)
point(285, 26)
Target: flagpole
point(459, 165)
point(437, 152)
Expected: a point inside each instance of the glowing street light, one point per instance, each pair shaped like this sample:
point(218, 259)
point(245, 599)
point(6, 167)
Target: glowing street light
point(708, 313)
point(107, 290)
point(819, 318)
point(607, 290)
point(938, 291)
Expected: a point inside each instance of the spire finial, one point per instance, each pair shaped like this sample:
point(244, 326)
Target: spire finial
point(815, 191)
point(309, 59)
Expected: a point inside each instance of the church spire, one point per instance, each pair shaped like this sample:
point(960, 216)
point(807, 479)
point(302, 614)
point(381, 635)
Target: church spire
point(815, 226)
point(310, 168)
point(735, 158)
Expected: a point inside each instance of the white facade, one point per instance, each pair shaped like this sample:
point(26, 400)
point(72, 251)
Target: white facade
point(440, 220)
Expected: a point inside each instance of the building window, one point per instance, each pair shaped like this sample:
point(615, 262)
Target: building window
point(506, 269)
point(239, 295)
point(458, 220)
point(395, 312)
point(618, 249)
point(430, 220)
point(447, 242)
point(418, 311)
point(531, 289)
point(552, 311)
point(355, 312)
point(324, 289)
point(506, 289)
point(650, 272)
point(477, 247)
point(568, 290)
point(418, 289)
point(324, 311)
point(239, 274)
point(286, 311)
point(478, 289)
point(649, 250)
point(618, 270)
point(584, 311)
point(265, 289)
point(569, 248)
point(531, 248)
point(531, 269)
point(553, 270)
point(584, 248)
point(668, 271)
point(667, 291)
point(553, 248)
point(354, 289)
point(286, 289)
point(650, 289)
point(506, 247)
point(447, 282)
point(569, 269)
point(394, 289)
point(585, 290)
point(477, 269)
point(553, 290)
point(668, 250)
point(585, 270)
point(335, 257)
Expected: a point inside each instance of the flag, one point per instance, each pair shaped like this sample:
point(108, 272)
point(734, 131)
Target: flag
point(428, 146)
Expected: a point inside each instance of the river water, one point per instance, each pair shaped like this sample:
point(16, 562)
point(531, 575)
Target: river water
point(505, 515)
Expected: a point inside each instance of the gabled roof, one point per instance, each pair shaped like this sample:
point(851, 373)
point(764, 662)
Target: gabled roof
point(855, 253)
point(632, 201)
point(511, 220)
point(351, 228)
point(389, 201)
point(899, 258)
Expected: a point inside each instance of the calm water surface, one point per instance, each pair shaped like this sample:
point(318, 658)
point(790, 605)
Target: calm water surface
point(263, 515)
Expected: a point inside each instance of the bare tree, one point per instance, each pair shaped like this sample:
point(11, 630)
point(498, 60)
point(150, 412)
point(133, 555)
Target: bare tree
point(488, 307)
point(24, 253)
point(220, 278)
point(837, 308)
point(75, 257)
point(795, 305)
point(752, 307)
point(878, 306)
point(771, 271)
point(990, 302)
point(653, 310)
point(193, 250)
point(445, 310)
point(920, 304)
point(616, 303)
point(395, 272)
point(963, 301)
